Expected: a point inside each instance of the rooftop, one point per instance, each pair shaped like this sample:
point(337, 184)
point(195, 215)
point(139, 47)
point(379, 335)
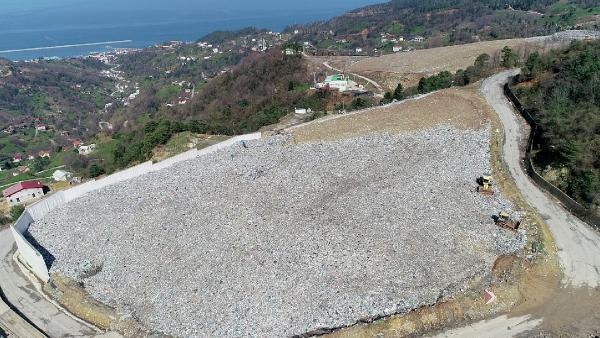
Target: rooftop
point(13, 189)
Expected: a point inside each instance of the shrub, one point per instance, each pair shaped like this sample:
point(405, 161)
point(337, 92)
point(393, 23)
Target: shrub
point(16, 211)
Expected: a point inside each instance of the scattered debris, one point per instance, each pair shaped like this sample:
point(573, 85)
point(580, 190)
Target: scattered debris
point(488, 296)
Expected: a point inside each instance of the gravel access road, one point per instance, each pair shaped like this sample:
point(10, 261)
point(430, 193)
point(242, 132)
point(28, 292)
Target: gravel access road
point(578, 245)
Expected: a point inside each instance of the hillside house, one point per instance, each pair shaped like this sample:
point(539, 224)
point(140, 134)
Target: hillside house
point(23, 192)
point(397, 49)
point(17, 158)
point(85, 150)
point(41, 127)
point(61, 175)
point(44, 153)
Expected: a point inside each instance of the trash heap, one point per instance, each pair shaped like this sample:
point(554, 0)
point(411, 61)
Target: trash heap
point(272, 238)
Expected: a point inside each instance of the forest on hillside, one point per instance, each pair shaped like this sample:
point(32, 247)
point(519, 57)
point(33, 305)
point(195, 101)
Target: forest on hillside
point(38, 90)
point(256, 93)
point(562, 88)
point(448, 22)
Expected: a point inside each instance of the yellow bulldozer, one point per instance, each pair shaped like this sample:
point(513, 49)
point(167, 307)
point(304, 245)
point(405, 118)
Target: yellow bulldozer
point(503, 220)
point(485, 185)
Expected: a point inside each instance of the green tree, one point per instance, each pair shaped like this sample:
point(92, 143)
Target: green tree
point(482, 60)
point(387, 98)
point(359, 103)
point(40, 163)
point(16, 211)
point(439, 81)
point(534, 64)
point(399, 92)
point(509, 58)
point(583, 185)
point(96, 170)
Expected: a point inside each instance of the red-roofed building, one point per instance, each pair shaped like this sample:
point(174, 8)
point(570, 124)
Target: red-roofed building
point(23, 192)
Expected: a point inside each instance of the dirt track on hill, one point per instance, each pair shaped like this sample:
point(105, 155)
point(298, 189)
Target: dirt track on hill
point(409, 67)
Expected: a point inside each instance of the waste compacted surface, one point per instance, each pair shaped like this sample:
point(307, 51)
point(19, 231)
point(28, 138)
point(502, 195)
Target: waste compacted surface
point(276, 239)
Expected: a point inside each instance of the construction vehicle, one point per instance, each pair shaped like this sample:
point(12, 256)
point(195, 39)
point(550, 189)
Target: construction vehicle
point(503, 220)
point(485, 185)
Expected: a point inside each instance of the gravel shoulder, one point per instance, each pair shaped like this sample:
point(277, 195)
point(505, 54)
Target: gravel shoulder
point(280, 238)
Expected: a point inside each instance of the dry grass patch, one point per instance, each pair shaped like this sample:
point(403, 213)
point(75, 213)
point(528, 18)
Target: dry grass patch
point(459, 107)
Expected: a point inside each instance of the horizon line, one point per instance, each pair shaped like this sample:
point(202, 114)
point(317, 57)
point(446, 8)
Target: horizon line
point(64, 46)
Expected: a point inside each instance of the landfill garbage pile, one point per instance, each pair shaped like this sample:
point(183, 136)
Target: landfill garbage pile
point(275, 239)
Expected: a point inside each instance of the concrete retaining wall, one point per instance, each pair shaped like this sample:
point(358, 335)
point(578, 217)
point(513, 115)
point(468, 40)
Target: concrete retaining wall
point(37, 211)
point(42, 207)
point(30, 255)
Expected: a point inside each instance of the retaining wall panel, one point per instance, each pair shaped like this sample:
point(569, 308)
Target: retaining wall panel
point(45, 205)
point(31, 256)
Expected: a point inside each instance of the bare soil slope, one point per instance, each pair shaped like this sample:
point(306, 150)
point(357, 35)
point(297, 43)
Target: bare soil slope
point(462, 108)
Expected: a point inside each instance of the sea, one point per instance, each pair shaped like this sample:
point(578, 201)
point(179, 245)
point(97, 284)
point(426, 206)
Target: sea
point(31, 29)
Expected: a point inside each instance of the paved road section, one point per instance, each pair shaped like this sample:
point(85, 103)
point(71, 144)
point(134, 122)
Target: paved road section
point(15, 326)
point(578, 245)
point(22, 294)
point(499, 327)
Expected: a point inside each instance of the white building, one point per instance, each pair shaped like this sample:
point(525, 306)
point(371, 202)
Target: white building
point(85, 150)
point(339, 82)
point(23, 192)
point(61, 175)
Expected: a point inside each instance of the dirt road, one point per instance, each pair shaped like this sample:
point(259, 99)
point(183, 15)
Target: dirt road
point(578, 245)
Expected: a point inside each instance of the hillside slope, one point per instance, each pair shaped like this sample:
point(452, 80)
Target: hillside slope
point(562, 92)
point(445, 22)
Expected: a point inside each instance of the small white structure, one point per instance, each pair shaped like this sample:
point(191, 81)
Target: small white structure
point(85, 150)
point(359, 50)
point(300, 111)
point(339, 82)
point(397, 49)
point(61, 175)
point(23, 192)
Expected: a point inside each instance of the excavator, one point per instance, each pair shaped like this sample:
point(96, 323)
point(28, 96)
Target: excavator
point(485, 185)
point(503, 220)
